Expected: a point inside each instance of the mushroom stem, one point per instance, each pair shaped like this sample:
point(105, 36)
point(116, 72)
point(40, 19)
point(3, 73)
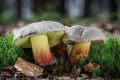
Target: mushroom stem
point(60, 49)
point(40, 48)
point(80, 49)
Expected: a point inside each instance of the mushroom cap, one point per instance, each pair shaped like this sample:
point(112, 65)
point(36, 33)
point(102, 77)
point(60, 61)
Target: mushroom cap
point(79, 33)
point(53, 30)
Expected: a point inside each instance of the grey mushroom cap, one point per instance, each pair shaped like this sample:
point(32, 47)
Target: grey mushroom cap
point(43, 27)
point(79, 33)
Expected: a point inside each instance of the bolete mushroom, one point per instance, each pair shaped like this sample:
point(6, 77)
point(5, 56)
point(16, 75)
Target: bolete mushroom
point(81, 37)
point(40, 36)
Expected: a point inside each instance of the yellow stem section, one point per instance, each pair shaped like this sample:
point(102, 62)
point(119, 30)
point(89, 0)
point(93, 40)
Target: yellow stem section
point(41, 50)
point(80, 49)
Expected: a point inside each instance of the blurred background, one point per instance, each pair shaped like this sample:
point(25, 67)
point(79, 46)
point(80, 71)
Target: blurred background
point(104, 14)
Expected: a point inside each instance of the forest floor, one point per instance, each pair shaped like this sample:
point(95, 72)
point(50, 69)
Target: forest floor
point(10, 73)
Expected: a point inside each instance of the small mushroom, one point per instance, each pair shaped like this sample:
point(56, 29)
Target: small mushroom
point(40, 36)
point(91, 66)
point(81, 37)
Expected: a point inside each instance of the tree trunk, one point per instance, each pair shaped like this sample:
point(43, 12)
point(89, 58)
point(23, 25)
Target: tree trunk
point(60, 6)
point(87, 8)
point(26, 9)
point(105, 9)
point(95, 8)
point(118, 7)
point(113, 7)
point(74, 8)
point(12, 9)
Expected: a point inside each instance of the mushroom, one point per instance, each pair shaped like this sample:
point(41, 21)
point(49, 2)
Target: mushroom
point(81, 37)
point(40, 36)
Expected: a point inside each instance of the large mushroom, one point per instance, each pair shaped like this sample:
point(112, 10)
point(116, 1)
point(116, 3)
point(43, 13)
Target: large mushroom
point(40, 36)
point(81, 37)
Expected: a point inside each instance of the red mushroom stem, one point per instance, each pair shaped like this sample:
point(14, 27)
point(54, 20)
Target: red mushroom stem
point(79, 50)
point(41, 50)
point(60, 49)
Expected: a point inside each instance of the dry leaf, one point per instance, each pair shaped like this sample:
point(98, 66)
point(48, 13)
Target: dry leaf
point(63, 78)
point(84, 76)
point(28, 68)
point(75, 72)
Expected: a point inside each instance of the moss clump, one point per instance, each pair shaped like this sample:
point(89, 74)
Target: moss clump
point(107, 55)
point(9, 52)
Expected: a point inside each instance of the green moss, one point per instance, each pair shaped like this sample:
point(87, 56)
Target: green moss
point(9, 53)
point(107, 55)
point(95, 73)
